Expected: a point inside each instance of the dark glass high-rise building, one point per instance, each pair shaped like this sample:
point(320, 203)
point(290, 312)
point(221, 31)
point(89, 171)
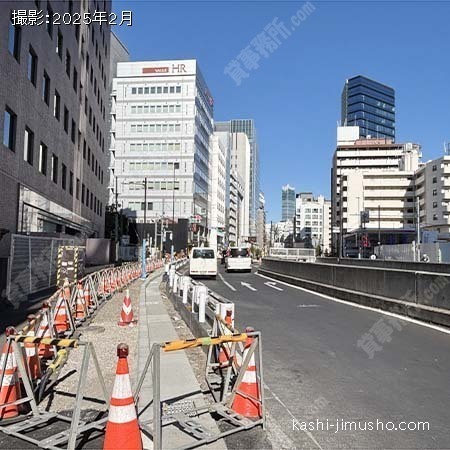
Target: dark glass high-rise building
point(369, 105)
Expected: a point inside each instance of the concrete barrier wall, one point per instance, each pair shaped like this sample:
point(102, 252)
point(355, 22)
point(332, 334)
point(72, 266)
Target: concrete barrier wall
point(389, 264)
point(420, 288)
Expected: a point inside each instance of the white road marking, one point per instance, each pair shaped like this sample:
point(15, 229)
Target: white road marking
point(278, 399)
point(272, 284)
point(308, 306)
point(356, 305)
point(248, 286)
point(226, 282)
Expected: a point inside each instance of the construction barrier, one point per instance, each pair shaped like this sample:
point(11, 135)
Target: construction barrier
point(240, 404)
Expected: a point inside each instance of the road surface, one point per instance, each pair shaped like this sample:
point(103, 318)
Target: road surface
point(327, 360)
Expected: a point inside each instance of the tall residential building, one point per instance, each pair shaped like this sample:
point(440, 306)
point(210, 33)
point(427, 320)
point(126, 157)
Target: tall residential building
point(287, 203)
point(219, 158)
point(370, 105)
point(372, 189)
point(54, 100)
point(313, 220)
point(162, 125)
point(247, 126)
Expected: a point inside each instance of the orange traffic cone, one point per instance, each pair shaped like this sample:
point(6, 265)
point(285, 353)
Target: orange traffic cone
point(61, 319)
point(88, 301)
point(45, 351)
point(32, 358)
point(9, 389)
point(247, 401)
point(122, 429)
point(80, 308)
point(126, 315)
point(66, 288)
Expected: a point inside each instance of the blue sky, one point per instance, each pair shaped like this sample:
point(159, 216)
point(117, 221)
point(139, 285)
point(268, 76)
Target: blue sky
point(294, 95)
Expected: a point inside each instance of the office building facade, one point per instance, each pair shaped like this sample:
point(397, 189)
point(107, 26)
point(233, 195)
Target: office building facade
point(54, 100)
point(372, 189)
point(161, 131)
point(287, 203)
point(313, 221)
point(370, 105)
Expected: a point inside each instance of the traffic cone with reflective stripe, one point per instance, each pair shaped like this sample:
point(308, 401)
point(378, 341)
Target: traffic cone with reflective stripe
point(126, 315)
point(80, 308)
point(88, 300)
point(32, 359)
point(122, 429)
point(45, 351)
point(247, 401)
point(60, 318)
point(10, 389)
point(66, 289)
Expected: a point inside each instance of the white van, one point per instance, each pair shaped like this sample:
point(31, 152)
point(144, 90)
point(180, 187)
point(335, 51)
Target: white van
point(203, 262)
point(238, 258)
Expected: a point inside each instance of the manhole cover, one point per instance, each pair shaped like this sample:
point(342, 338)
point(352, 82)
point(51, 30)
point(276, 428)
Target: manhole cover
point(95, 329)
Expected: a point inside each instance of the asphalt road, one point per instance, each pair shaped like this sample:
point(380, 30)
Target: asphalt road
point(315, 371)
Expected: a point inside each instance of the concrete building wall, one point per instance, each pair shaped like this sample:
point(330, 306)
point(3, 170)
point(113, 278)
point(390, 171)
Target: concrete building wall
point(240, 162)
point(161, 130)
point(80, 75)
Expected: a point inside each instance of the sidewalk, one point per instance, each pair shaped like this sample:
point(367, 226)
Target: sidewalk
point(178, 381)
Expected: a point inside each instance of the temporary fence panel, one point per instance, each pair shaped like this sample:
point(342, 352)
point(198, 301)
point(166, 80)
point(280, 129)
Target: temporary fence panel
point(33, 264)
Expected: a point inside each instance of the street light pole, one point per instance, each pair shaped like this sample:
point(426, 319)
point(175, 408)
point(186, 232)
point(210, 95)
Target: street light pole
point(144, 239)
point(172, 250)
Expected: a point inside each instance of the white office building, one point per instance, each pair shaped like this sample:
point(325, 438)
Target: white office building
point(218, 191)
point(162, 122)
point(313, 221)
point(373, 189)
point(236, 208)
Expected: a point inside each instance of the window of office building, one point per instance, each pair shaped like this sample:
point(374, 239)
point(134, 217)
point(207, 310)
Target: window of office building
point(73, 131)
point(68, 63)
point(9, 129)
point(49, 22)
point(71, 183)
point(63, 176)
point(15, 33)
point(59, 44)
point(57, 105)
point(77, 189)
point(43, 158)
point(32, 65)
point(46, 88)
point(28, 146)
point(54, 168)
point(66, 120)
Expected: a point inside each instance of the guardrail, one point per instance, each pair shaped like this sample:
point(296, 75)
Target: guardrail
point(295, 254)
point(204, 302)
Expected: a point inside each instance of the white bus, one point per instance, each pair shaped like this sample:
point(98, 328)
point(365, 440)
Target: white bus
point(238, 258)
point(203, 262)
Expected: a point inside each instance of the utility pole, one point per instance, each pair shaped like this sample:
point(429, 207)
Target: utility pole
point(418, 228)
point(172, 250)
point(156, 234)
point(116, 215)
point(144, 239)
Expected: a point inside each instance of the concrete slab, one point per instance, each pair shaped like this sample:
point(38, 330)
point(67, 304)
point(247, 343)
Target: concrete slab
point(178, 381)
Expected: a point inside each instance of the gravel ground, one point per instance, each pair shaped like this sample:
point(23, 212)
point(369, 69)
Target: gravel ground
point(105, 335)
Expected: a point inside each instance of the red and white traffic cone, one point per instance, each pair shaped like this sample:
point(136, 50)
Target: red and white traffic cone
point(88, 301)
point(247, 401)
point(45, 351)
point(31, 354)
point(122, 429)
point(61, 318)
point(80, 307)
point(126, 315)
point(10, 388)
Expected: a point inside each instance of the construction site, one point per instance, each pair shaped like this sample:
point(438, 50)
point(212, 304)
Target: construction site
point(132, 357)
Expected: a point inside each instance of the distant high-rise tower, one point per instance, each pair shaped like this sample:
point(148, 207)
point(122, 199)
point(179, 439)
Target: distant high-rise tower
point(370, 105)
point(287, 203)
